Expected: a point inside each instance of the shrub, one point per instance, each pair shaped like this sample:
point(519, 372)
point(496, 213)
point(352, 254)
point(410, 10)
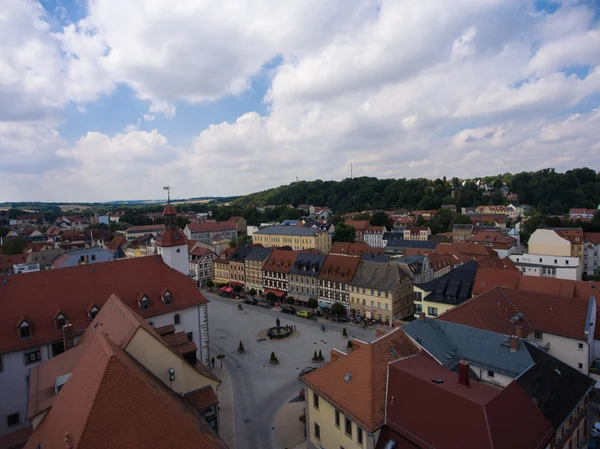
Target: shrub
point(315, 355)
point(321, 355)
point(241, 347)
point(271, 297)
point(290, 300)
point(273, 359)
point(344, 332)
point(349, 345)
point(210, 284)
point(337, 309)
point(237, 288)
point(252, 292)
point(312, 303)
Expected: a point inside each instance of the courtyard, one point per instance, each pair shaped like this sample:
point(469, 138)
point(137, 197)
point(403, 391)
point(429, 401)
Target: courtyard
point(260, 389)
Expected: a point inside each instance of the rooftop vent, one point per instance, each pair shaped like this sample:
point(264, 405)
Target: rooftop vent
point(347, 377)
point(557, 371)
point(393, 352)
point(437, 381)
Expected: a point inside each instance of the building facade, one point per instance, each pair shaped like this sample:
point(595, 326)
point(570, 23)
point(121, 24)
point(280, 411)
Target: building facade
point(561, 267)
point(276, 271)
point(381, 291)
point(303, 276)
point(416, 233)
point(334, 279)
point(206, 231)
point(296, 237)
point(360, 227)
point(201, 265)
point(591, 252)
point(373, 236)
point(253, 267)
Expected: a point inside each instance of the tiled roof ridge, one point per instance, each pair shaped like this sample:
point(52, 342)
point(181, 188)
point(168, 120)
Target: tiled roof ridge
point(467, 304)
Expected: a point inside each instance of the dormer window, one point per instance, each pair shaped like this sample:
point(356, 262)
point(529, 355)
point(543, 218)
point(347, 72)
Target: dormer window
point(24, 329)
point(167, 299)
point(60, 320)
point(93, 312)
point(144, 303)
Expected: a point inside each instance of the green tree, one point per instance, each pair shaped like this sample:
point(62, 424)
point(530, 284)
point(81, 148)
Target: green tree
point(461, 219)
point(290, 300)
point(312, 303)
point(315, 357)
point(273, 359)
point(271, 297)
point(241, 347)
point(321, 355)
point(344, 233)
point(233, 243)
point(237, 288)
point(252, 292)
point(381, 219)
point(12, 246)
point(210, 283)
point(335, 219)
point(344, 332)
point(337, 309)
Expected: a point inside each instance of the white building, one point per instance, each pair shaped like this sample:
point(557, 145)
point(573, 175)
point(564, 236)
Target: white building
point(561, 267)
point(206, 231)
point(591, 249)
point(373, 236)
point(37, 305)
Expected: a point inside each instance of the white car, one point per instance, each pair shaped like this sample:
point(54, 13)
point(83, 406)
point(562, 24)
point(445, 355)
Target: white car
point(596, 430)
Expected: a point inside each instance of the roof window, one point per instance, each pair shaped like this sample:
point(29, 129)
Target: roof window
point(167, 298)
point(144, 303)
point(24, 329)
point(347, 377)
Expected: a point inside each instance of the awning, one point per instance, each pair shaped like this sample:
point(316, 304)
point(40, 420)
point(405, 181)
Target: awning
point(223, 289)
point(236, 283)
point(226, 289)
point(301, 298)
point(277, 293)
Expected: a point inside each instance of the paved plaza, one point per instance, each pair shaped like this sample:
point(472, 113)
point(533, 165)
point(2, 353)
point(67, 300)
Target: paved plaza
point(260, 389)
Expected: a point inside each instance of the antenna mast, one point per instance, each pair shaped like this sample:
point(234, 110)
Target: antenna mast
point(351, 170)
point(168, 189)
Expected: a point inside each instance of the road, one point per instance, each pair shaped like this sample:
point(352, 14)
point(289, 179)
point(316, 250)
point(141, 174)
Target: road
point(259, 388)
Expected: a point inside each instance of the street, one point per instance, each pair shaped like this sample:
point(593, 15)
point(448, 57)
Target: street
point(259, 388)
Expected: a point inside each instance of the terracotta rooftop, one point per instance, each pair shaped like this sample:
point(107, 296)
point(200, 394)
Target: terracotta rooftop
point(493, 238)
point(339, 268)
point(573, 235)
point(75, 290)
point(146, 228)
point(102, 402)
point(592, 237)
point(358, 224)
point(211, 226)
point(351, 249)
point(7, 262)
point(171, 236)
point(488, 278)
point(477, 416)
point(497, 309)
point(362, 397)
point(280, 261)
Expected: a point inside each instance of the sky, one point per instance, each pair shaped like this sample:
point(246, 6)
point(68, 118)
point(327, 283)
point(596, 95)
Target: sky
point(111, 99)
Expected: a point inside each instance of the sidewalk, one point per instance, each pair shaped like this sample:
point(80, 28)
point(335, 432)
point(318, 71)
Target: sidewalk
point(226, 410)
point(288, 427)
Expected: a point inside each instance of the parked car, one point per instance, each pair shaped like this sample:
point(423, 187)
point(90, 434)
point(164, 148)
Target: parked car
point(303, 314)
point(306, 371)
point(341, 319)
point(596, 430)
point(251, 301)
point(288, 309)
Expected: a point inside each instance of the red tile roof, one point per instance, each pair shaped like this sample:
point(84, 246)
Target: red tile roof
point(493, 311)
point(488, 278)
point(358, 224)
point(492, 237)
point(171, 236)
point(355, 249)
point(575, 236)
point(592, 237)
point(476, 416)
point(280, 261)
point(146, 228)
point(16, 439)
point(37, 295)
point(7, 262)
point(339, 268)
point(363, 396)
point(103, 400)
point(200, 251)
point(211, 226)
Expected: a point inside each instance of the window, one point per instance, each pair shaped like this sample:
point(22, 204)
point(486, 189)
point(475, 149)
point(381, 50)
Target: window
point(372, 292)
point(378, 305)
point(364, 302)
point(337, 418)
point(176, 319)
point(13, 420)
point(538, 335)
point(372, 303)
point(144, 303)
point(178, 250)
point(190, 336)
point(387, 306)
point(32, 355)
point(580, 346)
point(580, 365)
point(359, 435)
point(315, 400)
point(418, 308)
point(317, 432)
point(432, 311)
point(58, 348)
point(93, 257)
point(93, 312)
point(348, 427)
point(25, 330)
point(167, 299)
point(60, 321)
point(490, 374)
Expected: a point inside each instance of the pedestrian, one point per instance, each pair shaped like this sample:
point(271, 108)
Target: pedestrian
point(213, 362)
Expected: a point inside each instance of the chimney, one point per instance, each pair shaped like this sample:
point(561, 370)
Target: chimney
point(422, 316)
point(463, 373)
point(514, 343)
point(519, 332)
point(68, 336)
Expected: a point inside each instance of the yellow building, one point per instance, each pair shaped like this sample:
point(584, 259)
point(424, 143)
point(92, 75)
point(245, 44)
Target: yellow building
point(381, 291)
point(446, 292)
point(221, 267)
point(297, 237)
point(344, 407)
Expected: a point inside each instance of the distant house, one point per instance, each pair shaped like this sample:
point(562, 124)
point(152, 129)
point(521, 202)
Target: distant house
point(373, 236)
point(360, 226)
point(582, 214)
point(591, 252)
point(303, 276)
point(417, 233)
point(137, 231)
point(83, 256)
point(206, 231)
point(503, 244)
point(201, 264)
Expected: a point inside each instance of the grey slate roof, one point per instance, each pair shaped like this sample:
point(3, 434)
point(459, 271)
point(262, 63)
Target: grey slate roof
point(554, 386)
point(45, 257)
point(375, 257)
point(450, 343)
point(240, 253)
point(377, 275)
point(393, 236)
point(454, 287)
point(405, 244)
point(258, 253)
point(289, 230)
point(308, 261)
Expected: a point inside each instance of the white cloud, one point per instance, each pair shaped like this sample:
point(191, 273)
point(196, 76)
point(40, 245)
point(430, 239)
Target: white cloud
point(402, 89)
